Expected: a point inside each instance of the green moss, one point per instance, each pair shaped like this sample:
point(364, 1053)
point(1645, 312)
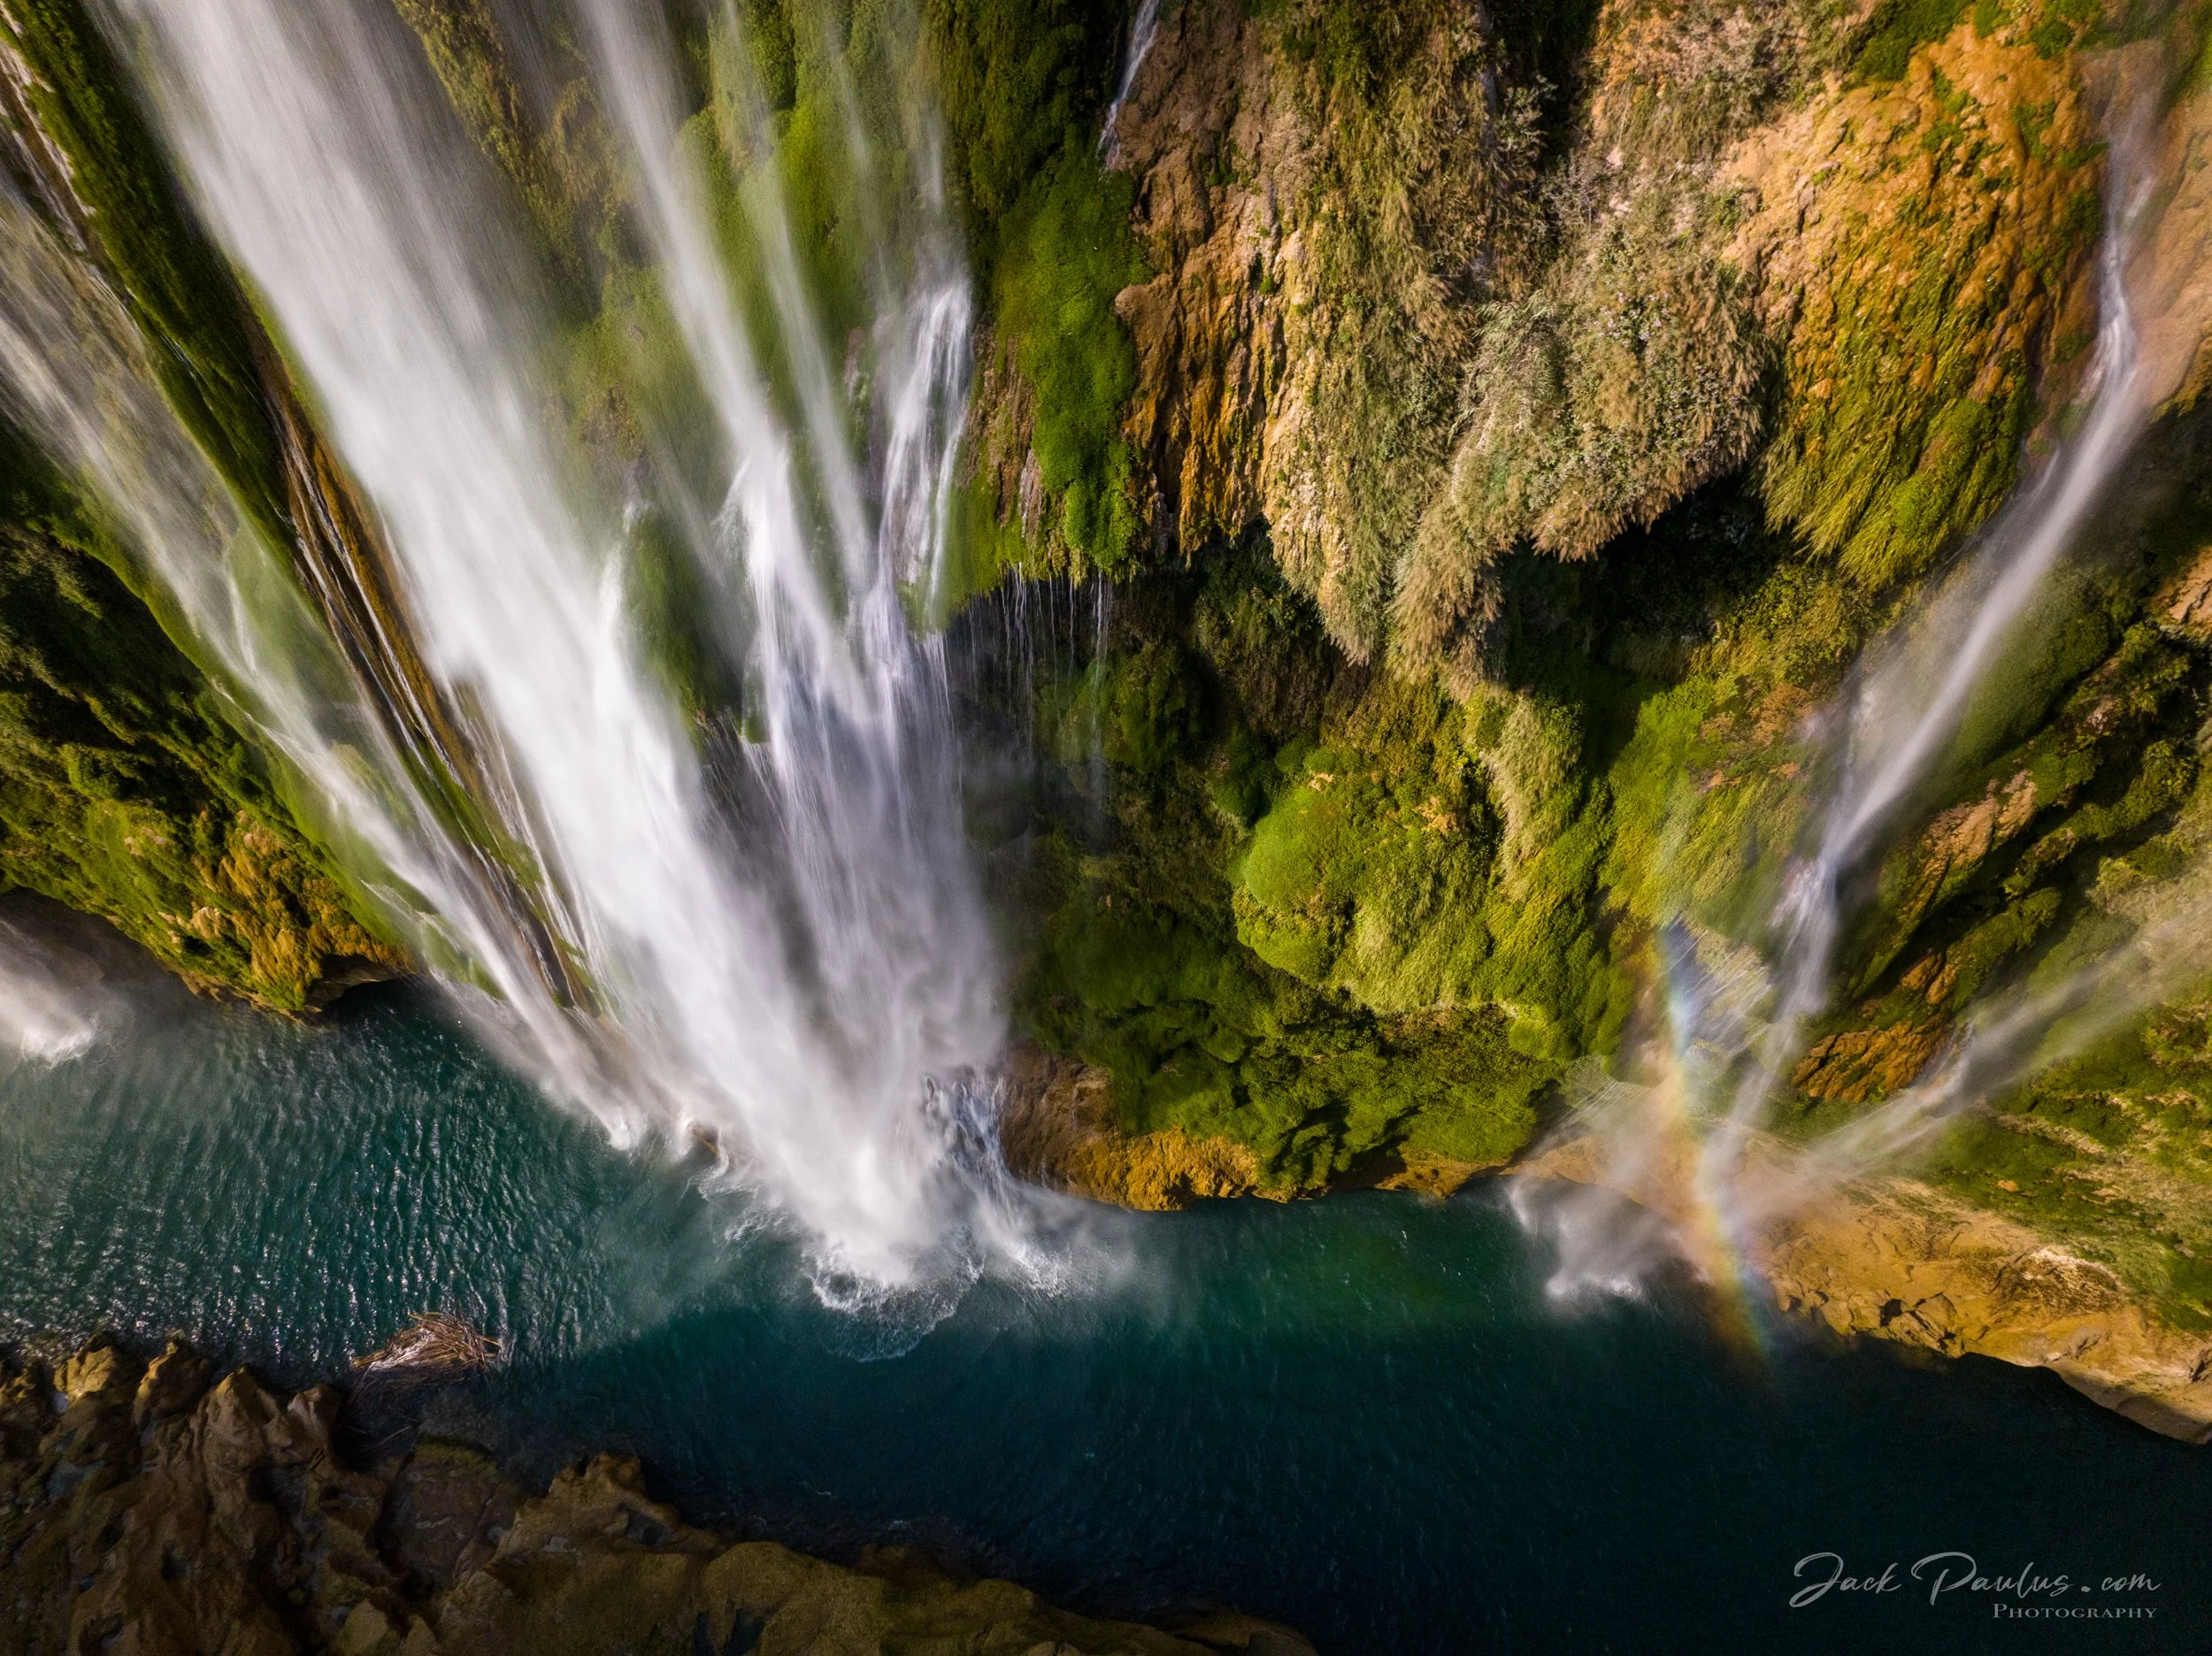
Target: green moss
point(1632, 379)
point(1066, 252)
point(1407, 173)
point(1022, 82)
point(552, 147)
point(206, 346)
point(1911, 377)
point(2105, 1153)
point(2060, 26)
point(125, 793)
point(1323, 971)
point(1623, 361)
point(772, 46)
point(1199, 1035)
point(1898, 27)
point(671, 608)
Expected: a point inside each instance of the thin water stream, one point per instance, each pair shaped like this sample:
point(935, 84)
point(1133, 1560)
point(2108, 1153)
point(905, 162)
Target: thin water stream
point(1734, 1018)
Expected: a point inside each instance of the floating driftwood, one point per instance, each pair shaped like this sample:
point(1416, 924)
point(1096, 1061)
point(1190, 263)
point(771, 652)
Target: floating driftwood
point(436, 1346)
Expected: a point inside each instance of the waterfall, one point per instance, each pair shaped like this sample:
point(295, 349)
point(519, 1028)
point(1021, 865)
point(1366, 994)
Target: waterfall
point(780, 945)
point(1142, 31)
point(1910, 695)
point(73, 372)
point(1680, 1143)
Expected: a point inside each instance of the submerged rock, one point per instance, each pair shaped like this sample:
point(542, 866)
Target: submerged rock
point(142, 1512)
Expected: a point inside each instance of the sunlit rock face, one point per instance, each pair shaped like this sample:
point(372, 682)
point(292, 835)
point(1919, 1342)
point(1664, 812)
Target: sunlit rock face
point(1793, 493)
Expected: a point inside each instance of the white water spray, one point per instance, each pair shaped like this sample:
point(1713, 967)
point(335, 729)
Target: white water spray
point(815, 994)
point(44, 1016)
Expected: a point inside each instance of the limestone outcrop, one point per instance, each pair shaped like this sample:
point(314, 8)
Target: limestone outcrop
point(1897, 1259)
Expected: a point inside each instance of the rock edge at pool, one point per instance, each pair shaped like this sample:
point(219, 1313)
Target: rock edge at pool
point(143, 1510)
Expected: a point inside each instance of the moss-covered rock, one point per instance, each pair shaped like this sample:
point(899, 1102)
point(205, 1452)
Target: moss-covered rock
point(124, 790)
point(1781, 302)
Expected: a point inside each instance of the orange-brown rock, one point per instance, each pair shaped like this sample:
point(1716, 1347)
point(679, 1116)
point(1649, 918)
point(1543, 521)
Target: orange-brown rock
point(1057, 1127)
point(1207, 326)
point(1858, 1065)
point(1896, 1260)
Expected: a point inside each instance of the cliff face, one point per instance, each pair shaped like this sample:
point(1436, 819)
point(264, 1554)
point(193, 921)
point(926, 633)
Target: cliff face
point(141, 1509)
point(1532, 428)
point(1711, 334)
point(1899, 1259)
point(127, 792)
point(1395, 322)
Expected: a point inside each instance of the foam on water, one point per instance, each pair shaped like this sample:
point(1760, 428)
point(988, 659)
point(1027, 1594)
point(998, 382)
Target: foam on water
point(47, 1014)
point(780, 940)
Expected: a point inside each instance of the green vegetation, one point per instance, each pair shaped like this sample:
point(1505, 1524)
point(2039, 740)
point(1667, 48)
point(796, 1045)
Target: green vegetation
point(555, 155)
point(1299, 932)
point(2107, 1152)
point(1627, 364)
point(1410, 181)
point(1898, 27)
point(1632, 375)
point(131, 791)
point(204, 343)
point(1023, 88)
point(1066, 252)
point(1022, 83)
point(125, 792)
point(1913, 371)
point(1198, 1034)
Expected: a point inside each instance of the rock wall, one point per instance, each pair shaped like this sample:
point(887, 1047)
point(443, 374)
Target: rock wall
point(1717, 331)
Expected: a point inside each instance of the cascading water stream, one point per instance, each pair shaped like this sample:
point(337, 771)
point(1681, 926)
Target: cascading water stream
point(72, 371)
point(1142, 31)
point(1907, 702)
point(858, 758)
point(807, 980)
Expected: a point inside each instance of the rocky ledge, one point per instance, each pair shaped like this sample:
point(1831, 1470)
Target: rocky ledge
point(1058, 1127)
point(1895, 1259)
point(1888, 1258)
point(146, 1512)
